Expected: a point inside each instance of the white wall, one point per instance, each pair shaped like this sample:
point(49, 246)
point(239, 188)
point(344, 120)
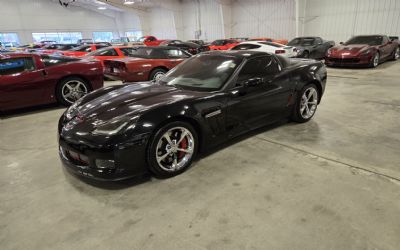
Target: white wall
point(265, 18)
point(27, 16)
point(340, 19)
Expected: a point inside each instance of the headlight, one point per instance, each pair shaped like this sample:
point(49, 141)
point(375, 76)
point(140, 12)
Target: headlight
point(110, 128)
point(368, 51)
point(115, 126)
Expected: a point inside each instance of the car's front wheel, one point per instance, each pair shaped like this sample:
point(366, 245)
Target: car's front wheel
point(172, 149)
point(306, 104)
point(396, 54)
point(70, 90)
point(375, 60)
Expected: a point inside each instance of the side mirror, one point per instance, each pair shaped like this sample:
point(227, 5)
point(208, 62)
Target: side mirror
point(253, 82)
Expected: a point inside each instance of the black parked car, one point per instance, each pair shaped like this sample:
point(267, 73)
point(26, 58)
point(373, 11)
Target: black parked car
point(311, 47)
point(192, 48)
point(127, 130)
point(199, 42)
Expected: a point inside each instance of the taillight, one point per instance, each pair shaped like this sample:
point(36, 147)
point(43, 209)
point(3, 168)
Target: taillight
point(280, 51)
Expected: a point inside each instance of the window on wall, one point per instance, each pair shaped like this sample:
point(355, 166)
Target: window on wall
point(102, 36)
point(9, 38)
point(59, 37)
point(133, 35)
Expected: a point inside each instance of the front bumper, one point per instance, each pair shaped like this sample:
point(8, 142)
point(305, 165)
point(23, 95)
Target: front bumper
point(128, 161)
point(348, 60)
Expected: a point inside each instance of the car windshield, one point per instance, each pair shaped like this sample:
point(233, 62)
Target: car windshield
point(370, 40)
point(202, 72)
point(301, 42)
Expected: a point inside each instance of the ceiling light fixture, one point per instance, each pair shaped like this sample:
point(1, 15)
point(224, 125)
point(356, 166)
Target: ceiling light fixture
point(129, 2)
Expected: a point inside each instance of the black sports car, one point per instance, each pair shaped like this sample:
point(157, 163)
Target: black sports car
point(311, 47)
point(122, 131)
point(191, 47)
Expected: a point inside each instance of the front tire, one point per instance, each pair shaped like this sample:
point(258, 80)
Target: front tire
point(375, 60)
point(306, 104)
point(396, 54)
point(70, 90)
point(172, 149)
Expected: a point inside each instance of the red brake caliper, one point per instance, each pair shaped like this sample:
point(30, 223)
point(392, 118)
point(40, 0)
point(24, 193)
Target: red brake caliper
point(183, 145)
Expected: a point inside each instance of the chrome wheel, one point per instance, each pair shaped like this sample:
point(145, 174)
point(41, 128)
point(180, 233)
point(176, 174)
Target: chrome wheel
point(158, 76)
point(73, 90)
point(309, 102)
point(175, 149)
point(397, 54)
point(376, 60)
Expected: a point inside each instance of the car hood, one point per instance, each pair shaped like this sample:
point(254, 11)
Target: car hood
point(353, 49)
point(126, 101)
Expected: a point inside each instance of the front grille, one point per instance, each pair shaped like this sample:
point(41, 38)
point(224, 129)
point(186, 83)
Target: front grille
point(74, 157)
point(344, 60)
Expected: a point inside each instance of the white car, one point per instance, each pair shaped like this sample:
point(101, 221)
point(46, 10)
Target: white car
point(270, 47)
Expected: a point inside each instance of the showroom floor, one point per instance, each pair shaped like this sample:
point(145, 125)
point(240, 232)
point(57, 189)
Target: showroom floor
point(332, 183)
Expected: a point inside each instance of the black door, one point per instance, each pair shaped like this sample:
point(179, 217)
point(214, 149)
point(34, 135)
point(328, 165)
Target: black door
point(260, 95)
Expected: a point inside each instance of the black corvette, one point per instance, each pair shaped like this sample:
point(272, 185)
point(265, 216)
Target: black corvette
point(191, 47)
point(122, 131)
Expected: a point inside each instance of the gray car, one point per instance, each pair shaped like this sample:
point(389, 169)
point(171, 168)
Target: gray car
point(311, 47)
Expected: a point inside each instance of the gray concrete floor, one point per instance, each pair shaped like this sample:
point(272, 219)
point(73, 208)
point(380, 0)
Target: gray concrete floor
point(332, 183)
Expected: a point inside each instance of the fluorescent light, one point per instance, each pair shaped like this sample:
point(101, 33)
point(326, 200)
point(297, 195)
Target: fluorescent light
point(128, 2)
point(101, 8)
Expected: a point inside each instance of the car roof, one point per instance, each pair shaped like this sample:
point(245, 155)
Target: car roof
point(237, 53)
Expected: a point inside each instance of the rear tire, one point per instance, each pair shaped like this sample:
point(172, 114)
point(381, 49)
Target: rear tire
point(70, 89)
point(306, 104)
point(156, 74)
point(172, 149)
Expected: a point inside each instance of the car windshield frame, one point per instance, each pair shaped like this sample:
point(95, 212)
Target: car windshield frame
point(364, 40)
point(222, 64)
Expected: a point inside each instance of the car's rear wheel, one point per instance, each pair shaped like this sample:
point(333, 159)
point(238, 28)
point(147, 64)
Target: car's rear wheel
point(375, 60)
point(70, 90)
point(157, 74)
point(396, 54)
point(306, 104)
point(172, 149)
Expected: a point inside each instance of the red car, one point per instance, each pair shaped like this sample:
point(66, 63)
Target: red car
point(148, 63)
point(150, 40)
point(28, 79)
point(82, 50)
point(364, 51)
point(223, 44)
point(112, 52)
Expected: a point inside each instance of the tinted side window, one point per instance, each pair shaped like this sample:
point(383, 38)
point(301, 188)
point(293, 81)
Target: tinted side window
point(175, 53)
point(246, 46)
point(55, 60)
point(16, 65)
point(259, 67)
point(128, 51)
point(108, 52)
